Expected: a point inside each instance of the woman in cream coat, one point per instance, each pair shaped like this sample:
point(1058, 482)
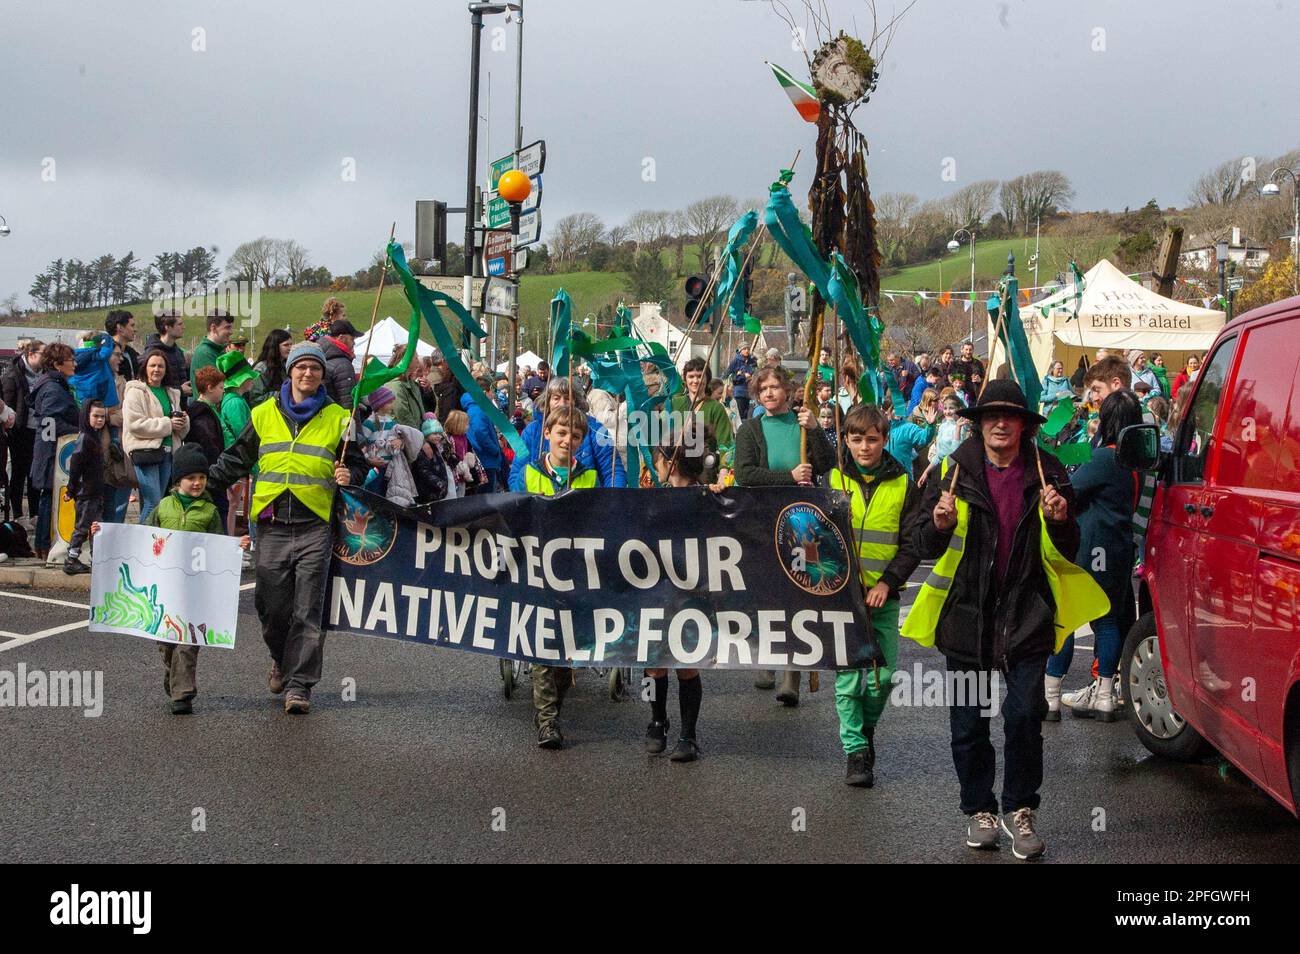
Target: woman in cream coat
point(152, 422)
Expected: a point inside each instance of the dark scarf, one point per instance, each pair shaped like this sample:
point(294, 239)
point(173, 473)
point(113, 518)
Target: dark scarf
point(300, 414)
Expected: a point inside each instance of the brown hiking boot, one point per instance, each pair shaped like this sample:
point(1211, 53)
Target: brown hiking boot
point(297, 703)
point(275, 680)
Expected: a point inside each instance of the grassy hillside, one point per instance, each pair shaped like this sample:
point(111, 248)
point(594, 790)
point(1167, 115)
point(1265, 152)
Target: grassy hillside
point(953, 270)
point(297, 309)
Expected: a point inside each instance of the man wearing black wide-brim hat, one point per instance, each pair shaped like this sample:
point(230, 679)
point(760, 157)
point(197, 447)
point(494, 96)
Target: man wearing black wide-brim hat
point(989, 607)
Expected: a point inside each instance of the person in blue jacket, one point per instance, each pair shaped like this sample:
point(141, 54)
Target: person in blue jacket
point(93, 380)
point(596, 451)
point(483, 439)
point(928, 380)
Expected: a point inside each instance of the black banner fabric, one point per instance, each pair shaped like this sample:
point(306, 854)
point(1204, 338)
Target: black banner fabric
point(752, 578)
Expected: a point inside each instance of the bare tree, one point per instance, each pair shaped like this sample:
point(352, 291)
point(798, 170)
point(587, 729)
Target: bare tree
point(1222, 184)
point(294, 259)
point(1011, 200)
point(895, 223)
point(649, 227)
point(254, 261)
point(1046, 191)
point(708, 219)
point(573, 236)
point(969, 205)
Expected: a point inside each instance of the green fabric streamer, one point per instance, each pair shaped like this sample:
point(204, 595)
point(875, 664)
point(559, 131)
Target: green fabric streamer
point(561, 332)
point(834, 281)
point(425, 302)
point(1013, 338)
point(1061, 415)
point(1071, 455)
point(375, 375)
point(728, 293)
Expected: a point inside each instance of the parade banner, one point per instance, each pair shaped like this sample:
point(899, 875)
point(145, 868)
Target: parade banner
point(171, 586)
point(751, 578)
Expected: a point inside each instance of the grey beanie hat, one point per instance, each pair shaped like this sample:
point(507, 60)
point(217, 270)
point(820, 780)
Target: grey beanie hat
point(304, 350)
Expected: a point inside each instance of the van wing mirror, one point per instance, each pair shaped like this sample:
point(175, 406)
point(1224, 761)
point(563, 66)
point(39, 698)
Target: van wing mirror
point(1138, 447)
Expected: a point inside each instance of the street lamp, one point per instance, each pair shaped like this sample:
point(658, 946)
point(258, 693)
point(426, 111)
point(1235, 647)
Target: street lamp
point(1272, 189)
point(1221, 256)
point(953, 245)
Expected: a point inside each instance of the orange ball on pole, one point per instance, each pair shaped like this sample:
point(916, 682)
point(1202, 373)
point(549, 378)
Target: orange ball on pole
point(514, 186)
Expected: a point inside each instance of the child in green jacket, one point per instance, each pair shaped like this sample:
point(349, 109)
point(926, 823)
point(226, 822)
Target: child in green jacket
point(188, 507)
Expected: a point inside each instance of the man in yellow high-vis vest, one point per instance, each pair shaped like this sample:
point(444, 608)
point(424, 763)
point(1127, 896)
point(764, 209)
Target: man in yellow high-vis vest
point(294, 439)
point(990, 604)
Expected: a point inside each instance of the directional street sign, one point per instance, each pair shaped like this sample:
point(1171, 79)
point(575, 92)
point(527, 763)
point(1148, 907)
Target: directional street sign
point(498, 209)
point(497, 249)
point(531, 159)
point(530, 228)
point(500, 296)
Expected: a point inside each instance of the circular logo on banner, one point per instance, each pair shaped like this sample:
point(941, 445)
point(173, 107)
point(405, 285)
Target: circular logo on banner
point(365, 535)
point(811, 550)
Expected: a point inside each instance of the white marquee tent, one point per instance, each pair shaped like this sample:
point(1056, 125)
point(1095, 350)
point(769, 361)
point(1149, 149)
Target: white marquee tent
point(522, 359)
point(1115, 313)
point(388, 334)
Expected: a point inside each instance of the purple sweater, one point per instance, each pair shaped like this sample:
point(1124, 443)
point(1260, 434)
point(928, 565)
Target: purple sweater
point(1007, 488)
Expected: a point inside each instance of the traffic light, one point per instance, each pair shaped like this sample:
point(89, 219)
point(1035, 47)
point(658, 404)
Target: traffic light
point(695, 286)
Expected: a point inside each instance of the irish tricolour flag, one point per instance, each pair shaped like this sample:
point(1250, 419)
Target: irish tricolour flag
point(801, 94)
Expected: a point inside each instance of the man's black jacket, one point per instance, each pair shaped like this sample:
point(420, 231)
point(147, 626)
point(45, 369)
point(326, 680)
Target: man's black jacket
point(984, 624)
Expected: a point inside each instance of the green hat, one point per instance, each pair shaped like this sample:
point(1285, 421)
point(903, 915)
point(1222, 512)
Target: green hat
point(235, 367)
point(239, 339)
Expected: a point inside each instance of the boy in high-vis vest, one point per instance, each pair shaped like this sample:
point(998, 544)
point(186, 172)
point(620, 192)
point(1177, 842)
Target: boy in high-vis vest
point(885, 505)
point(558, 470)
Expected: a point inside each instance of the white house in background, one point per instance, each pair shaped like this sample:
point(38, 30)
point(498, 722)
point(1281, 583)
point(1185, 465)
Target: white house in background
point(653, 325)
point(1240, 251)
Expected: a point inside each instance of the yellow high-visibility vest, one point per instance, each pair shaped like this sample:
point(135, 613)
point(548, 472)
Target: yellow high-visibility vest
point(1077, 596)
point(537, 482)
point(875, 521)
point(301, 463)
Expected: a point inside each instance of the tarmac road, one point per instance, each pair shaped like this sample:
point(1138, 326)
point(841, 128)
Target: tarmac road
point(432, 763)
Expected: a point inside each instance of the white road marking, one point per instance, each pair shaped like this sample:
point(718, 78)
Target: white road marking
point(42, 599)
point(52, 631)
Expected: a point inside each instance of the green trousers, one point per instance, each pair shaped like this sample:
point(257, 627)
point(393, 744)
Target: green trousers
point(861, 694)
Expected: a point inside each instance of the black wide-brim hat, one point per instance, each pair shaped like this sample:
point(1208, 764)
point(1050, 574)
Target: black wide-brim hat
point(1002, 394)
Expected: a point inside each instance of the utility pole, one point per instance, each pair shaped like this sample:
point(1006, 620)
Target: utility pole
point(471, 169)
point(519, 143)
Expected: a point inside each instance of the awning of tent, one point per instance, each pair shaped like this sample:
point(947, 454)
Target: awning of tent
point(1114, 312)
point(388, 334)
point(525, 358)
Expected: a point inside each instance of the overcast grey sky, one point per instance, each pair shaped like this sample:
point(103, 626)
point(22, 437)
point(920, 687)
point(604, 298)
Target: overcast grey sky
point(159, 147)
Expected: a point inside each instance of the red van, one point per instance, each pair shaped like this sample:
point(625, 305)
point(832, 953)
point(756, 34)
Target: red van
point(1216, 659)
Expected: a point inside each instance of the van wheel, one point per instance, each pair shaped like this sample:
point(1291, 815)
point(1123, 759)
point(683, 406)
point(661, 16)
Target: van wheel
point(1162, 730)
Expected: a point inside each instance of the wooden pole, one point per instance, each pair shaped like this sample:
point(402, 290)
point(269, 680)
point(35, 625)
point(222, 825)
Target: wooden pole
point(370, 337)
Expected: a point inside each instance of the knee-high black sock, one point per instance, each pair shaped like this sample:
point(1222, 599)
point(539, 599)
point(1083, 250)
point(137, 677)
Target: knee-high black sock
point(689, 692)
point(659, 701)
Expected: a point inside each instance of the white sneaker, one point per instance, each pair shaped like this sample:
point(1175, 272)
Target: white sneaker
point(1103, 701)
point(1052, 690)
point(1079, 702)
